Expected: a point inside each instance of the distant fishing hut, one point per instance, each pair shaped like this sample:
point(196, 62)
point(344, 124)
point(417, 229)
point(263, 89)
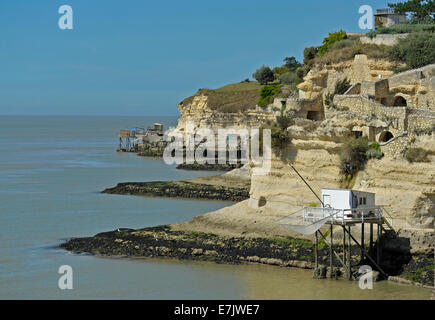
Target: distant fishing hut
point(132, 139)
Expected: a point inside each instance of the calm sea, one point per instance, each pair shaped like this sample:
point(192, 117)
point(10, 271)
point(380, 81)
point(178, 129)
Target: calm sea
point(52, 170)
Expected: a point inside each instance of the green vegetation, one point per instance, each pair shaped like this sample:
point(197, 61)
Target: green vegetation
point(239, 87)
point(355, 153)
point(291, 63)
point(279, 134)
point(418, 274)
point(417, 155)
point(347, 49)
point(264, 75)
point(422, 11)
point(332, 38)
point(417, 50)
point(309, 54)
point(289, 78)
point(374, 151)
point(266, 94)
point(232, 98)
point(340, 88)
point(285, 74)
point(286, 241)
point(322, 241)
point(403, 28)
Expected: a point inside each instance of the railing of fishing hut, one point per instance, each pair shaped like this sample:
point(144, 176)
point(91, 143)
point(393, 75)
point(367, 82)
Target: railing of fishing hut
point(341, 216)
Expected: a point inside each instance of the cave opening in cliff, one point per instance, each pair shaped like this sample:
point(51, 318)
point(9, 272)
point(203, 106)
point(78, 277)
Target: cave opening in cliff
point(315, 115)
point(400, 101)
point(385, 136)
point(357, 134)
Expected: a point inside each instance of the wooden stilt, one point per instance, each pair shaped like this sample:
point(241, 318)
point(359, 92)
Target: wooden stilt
point(331, 261)
point(371, 239)
point(344, 248)
point(316, 248)
point(349, 260)
point(378, 247)
point(362, 242)
point(368, 256)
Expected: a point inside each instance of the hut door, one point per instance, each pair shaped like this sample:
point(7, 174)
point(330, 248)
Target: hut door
point(327, 200)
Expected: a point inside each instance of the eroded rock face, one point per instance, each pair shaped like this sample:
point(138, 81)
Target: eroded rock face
point(198, 112)
point(359, 70)
point(406, 189)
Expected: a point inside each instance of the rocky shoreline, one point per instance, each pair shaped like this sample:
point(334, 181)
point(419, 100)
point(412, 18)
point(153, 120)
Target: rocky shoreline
point(163, 241)
point(180, 189)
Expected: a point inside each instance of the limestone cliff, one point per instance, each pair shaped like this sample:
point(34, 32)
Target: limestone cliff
point(232, 106)
point(396, 111)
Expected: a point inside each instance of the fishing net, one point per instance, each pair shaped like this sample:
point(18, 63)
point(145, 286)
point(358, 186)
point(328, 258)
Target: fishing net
point(294, 223)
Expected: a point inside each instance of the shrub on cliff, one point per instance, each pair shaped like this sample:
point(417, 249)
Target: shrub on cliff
point(284, 121)
point(353, 155)
point(417, 50)
point(340, 88)
point(417, 155)
point(266, 95)
point(348, 52)
point(279, 134)
point(264, 75)
point(374, 151)
point(290, 78)
point(332, 38)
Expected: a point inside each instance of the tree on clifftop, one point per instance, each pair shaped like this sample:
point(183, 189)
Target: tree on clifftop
point(291, 63)
point(422, 11)
point(264, 75)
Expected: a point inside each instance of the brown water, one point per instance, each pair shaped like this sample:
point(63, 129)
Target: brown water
point(270, 282)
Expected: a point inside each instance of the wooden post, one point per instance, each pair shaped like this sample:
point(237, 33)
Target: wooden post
point(371, 239)
point(344, 247)
point(349, 260)
point(378, 251)
point(331, 264)
point(316, 246)
point(362, 242)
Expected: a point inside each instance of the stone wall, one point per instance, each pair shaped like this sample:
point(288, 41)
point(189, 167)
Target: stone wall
point(384, 39)
point(394, 116)
point(421, 121)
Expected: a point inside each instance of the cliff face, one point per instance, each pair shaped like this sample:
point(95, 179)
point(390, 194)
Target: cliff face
point(370, 107)
point(232, 106)
point(358, 70)
point(199, 111)
point(407, 190)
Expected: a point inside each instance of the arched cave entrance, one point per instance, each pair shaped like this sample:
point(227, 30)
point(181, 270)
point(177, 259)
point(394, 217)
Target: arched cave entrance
point(400, 101)
point(385, 136)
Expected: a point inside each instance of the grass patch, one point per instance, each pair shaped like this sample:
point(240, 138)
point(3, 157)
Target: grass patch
point(292, 242)
point(232, 98)
point(416, 155)
point(347, 49)
point(402, 28)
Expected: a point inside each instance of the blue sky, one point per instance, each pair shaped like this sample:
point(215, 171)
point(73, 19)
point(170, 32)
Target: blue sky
point(140, 57)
